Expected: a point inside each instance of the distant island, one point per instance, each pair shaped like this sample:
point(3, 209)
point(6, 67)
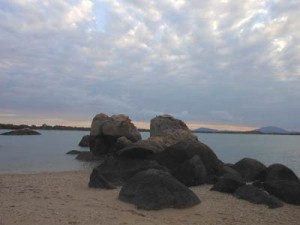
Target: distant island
point(49, 127)
point(42, 127)
point(262, 130)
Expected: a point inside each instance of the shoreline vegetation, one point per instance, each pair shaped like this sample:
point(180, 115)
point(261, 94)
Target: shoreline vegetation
point(200, 130)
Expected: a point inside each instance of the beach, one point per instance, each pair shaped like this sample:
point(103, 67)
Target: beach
point(65, 198)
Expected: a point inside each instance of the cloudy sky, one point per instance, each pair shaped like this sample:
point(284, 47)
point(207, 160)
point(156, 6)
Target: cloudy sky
point(212, 62)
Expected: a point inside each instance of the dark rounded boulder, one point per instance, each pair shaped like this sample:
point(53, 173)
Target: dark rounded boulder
point(87, 156)
point(98, 180)
point(278, 171)
point(191, 172)
point(250, 169)
point(156, 189)
point(114, 171)
point(228, 183)
point(135, 151)
point(257, 196)
point(178, 153)
point(287, 191)
point(85, 141)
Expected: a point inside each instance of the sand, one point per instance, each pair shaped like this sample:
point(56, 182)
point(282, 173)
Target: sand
point(64, 198)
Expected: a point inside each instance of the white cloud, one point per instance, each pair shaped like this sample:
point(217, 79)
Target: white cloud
point(200, 60)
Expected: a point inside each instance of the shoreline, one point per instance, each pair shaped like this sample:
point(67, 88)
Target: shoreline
point(65, 198)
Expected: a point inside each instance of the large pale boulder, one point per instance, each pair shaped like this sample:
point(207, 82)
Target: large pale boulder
point(170, 130)
point(165, 132)
point(160, 125)
point(105, 131)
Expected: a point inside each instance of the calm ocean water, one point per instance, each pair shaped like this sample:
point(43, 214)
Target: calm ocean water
point(46, 152)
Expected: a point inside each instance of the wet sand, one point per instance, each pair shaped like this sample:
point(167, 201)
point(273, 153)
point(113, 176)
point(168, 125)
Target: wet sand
point(64, 198)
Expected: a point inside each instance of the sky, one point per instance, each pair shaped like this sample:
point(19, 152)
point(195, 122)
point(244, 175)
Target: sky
point(219, 64)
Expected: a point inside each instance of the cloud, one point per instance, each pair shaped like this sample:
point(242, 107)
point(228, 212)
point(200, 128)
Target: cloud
point(213, 61)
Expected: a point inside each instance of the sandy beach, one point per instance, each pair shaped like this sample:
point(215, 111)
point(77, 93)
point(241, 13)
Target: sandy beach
point(64, 198)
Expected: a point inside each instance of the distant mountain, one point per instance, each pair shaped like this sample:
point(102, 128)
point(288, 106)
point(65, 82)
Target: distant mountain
point(272, 130)
point(205, 130)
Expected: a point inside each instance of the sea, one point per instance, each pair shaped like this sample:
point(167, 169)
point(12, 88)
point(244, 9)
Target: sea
point(47, 152)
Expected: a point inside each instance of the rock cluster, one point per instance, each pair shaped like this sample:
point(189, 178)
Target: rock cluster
point(156, 173)
point(105, 132)
point(266, 185)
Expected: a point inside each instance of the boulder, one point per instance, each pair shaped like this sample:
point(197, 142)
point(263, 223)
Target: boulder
point(73, 152)
point(170, 130)
point(287, 191)
point(114, 171)
point(143, 149)
point(122, 142)
point(156, 189)
point(164, 123)
point(182, 151)
point(250, 169)
point(97, 180)
point(135, 151)
point(24, 131)
point(228, 169)
point(228, 183)
point(278, 171)
point(257, 196)
point(85, 141)
point(105, 131)
point(191, 172)
point(87, 156)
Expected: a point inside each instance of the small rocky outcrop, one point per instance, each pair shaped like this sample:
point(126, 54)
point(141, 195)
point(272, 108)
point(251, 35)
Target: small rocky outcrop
point(250, 169)
point(25, 131)
point(114, 171)
point(156, 189)
point(73, 152)
point(287, 191)
point(276, 172)
point(228, 183)
point(105, 131)
point(257, 196)
point(85, 141)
